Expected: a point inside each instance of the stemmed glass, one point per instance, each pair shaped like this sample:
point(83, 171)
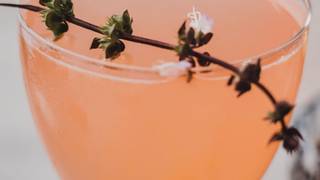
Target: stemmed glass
point(122, 120)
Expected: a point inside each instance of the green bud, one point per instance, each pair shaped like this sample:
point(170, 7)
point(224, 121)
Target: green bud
point(95, 43)
point(111, 30)
point(56, 24)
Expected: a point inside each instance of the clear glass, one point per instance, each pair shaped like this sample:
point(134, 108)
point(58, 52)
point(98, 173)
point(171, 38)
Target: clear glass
point(121, 120)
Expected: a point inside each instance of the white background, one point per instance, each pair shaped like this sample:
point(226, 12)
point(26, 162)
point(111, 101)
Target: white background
point(22, 156)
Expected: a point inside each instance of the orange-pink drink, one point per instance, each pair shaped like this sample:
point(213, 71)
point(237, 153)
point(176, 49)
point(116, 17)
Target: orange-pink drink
point(105, 122)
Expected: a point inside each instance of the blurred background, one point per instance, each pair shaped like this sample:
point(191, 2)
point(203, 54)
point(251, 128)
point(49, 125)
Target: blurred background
point(23, 157)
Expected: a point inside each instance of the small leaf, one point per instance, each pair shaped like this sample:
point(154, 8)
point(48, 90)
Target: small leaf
point(190, 37)
point(44, 2)
point(52, 19)
point(127, 27)
point(276, 137)
point(231, 80)
point(95, 43)
point(283, 108)
point(111, 30)
point(205, 39)
point(292, 139)
point(269, 116)
point(60, 29)
point(294, 132)
point(115, 19)
point(190, 60)
point(114, 49)
point(182, 30)
point(243, 87)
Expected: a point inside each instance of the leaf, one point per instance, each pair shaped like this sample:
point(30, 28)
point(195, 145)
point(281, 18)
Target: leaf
point(190, 37)
point(283, 108)
point(114, 49)
point(294, 132)
point(60, 29)
point(57, 3)
point(95, 43)
point(205, 39)
point(276, 137)
point(55, 23)
point(270, 116)
point(52, 19)
point(126, 22)
point(44, 2)
point(111, 30)
point(182, 30)
point(231, 80)
point(126, 17)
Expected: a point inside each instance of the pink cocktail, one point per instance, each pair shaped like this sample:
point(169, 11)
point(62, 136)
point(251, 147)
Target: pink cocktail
point(122, 120)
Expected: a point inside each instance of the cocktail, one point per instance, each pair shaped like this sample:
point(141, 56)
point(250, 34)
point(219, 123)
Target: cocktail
point(122, 119)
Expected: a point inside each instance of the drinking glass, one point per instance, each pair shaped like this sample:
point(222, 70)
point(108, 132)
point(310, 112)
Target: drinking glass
point(123, 120)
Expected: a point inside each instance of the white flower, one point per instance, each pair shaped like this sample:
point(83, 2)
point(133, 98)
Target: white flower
point(200, 22)
point(173, 69)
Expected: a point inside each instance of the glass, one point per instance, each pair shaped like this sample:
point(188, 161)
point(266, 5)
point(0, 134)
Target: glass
point(121, 120)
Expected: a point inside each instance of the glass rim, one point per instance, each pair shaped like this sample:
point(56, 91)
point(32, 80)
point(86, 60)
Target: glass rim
point(135, 68)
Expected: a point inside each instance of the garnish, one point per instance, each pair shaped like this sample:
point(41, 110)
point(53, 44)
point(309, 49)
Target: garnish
point(58, 13)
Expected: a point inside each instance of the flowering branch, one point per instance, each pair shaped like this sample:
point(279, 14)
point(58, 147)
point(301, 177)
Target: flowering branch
point(58, 13)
